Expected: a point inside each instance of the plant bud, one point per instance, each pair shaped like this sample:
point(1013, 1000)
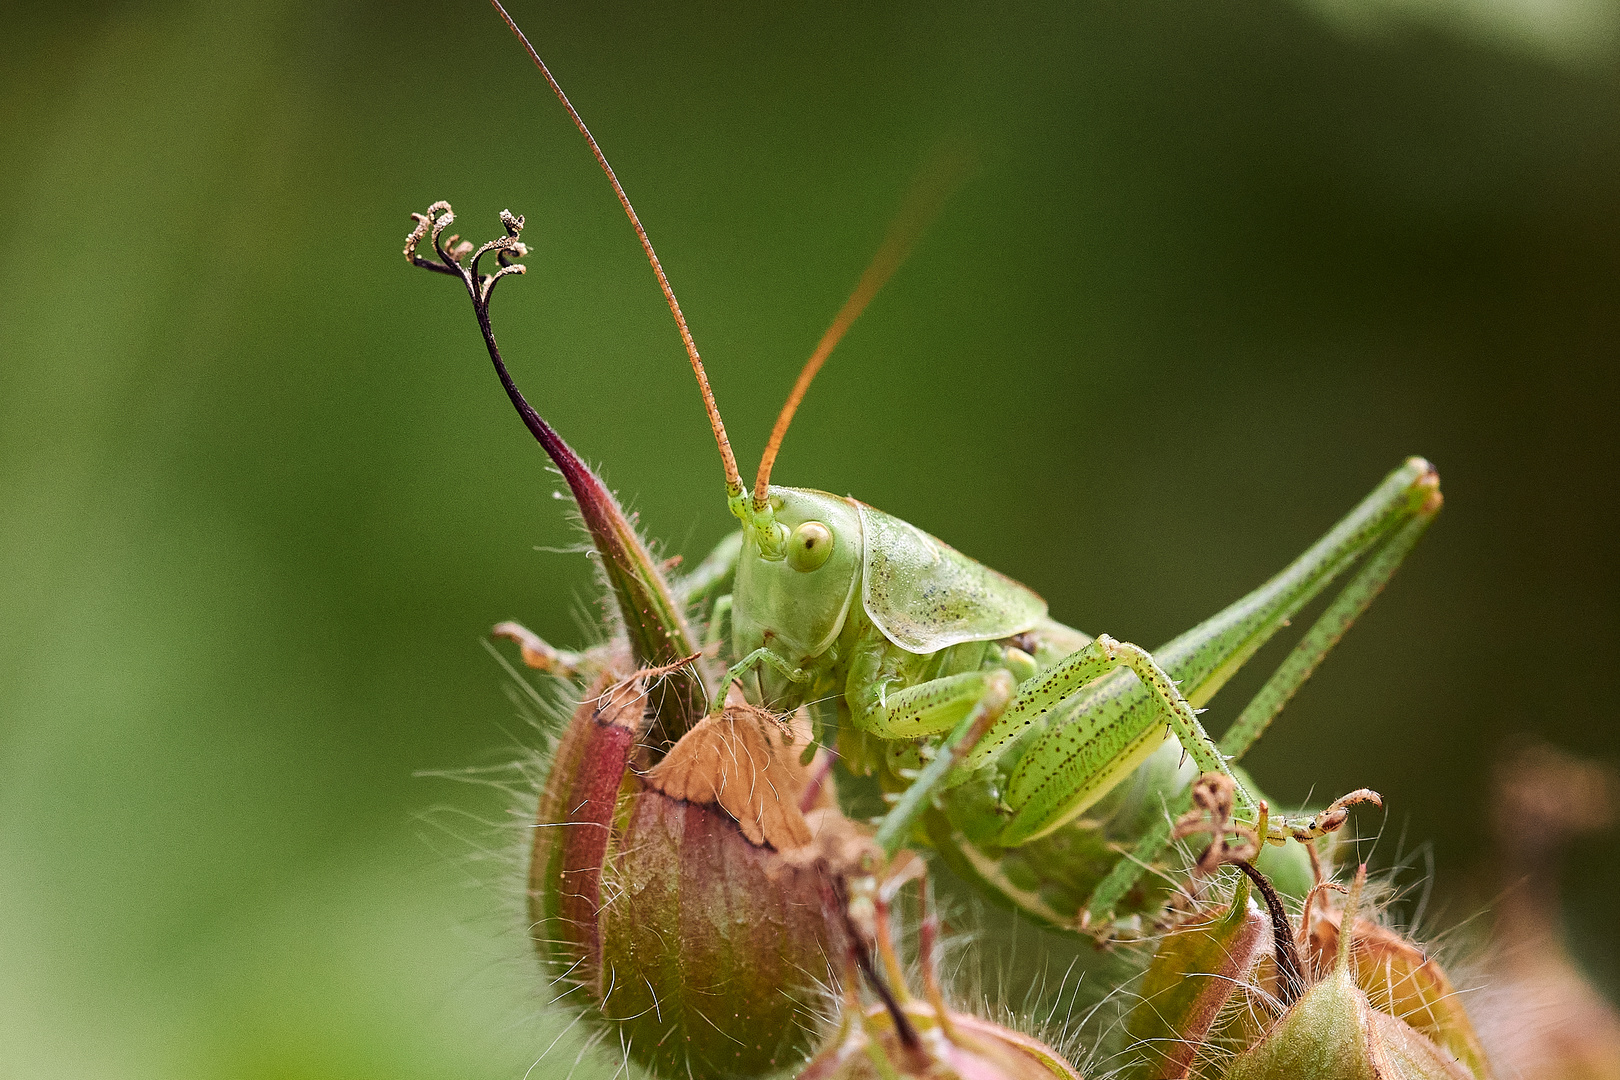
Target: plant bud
point(1232, 995)
point(658, 887)
point(1194, 973)
point(904, 1038)
point(1333, 1031)
point(1400, 979)
point(663, 896)
point(965, 1048)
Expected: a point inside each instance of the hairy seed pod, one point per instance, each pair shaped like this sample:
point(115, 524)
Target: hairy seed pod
point(662, 898)
point(1333, 1033)
point(659, 885)
point(1233, 993)
point(1401, 979)
point(901, 1037)
point(967, 1047)
point(1198, 968)
point(1336, 1032)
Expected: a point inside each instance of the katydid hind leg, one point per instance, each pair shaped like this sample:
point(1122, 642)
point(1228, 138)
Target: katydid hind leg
point(1205, 657)
point(1302, 662)
point(1077, 761)
point(1071, 763)
point(1356, 596)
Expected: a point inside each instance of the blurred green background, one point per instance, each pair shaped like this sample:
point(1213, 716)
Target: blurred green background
point(1219, 267)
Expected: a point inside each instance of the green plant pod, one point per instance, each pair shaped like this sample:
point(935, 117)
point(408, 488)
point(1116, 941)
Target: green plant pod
point(654, 625)
point(1401, 980)
point(1195, 971)
point(1208, 1004)
point(1333, 1033)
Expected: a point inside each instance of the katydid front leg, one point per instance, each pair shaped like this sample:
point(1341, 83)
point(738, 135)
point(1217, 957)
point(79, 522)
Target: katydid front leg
point(761, 657)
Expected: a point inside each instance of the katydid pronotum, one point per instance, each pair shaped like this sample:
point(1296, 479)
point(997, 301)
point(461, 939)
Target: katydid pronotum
point(992, 726)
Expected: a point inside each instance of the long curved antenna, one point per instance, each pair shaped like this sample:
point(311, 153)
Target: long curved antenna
point(922, 205)
point(734, 485)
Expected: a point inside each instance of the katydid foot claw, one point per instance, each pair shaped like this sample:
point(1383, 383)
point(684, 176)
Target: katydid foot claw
point(759, 657)
point(1234, 840)
point(1333, 818)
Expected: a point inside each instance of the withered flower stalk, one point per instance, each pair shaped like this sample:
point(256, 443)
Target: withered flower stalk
point(656, 625)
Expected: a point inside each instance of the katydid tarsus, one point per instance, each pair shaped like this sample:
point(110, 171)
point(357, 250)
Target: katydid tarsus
point(950, 678)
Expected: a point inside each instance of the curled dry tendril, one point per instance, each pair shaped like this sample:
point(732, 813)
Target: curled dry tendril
point(452, 250)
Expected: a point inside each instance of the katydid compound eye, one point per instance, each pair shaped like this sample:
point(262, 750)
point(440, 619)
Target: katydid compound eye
point(809, 546)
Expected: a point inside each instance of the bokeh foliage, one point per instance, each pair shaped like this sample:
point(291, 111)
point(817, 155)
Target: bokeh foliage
point(1219, 267)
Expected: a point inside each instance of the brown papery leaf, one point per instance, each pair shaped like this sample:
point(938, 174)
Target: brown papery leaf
point(744, 762)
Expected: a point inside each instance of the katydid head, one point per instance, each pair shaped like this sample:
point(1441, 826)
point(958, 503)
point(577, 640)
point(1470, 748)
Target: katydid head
point(797, 602)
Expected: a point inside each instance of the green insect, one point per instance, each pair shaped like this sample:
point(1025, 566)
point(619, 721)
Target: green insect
point(1024, 724)
point(998, 732)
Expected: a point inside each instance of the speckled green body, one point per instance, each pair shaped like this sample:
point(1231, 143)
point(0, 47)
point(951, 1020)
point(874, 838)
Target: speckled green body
point(902, 634)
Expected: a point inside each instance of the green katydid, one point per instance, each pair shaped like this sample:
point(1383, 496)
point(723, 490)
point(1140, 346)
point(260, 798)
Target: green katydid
point(1014, 724)
point(832, 598)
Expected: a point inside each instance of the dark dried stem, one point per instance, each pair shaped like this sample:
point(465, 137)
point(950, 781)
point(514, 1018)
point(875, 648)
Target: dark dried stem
point(902, 1023)
point(1282, 936)
point(861, 952)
